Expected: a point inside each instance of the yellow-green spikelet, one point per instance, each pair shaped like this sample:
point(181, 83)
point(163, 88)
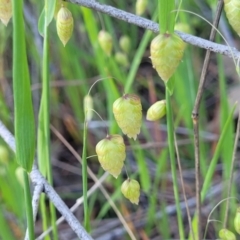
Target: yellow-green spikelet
point(225, 234)
point(5, 11)
point(232, 9)
point(111, 154)
point(64, 25)
point(166, 53)
point(127, 111)
point(131, 190)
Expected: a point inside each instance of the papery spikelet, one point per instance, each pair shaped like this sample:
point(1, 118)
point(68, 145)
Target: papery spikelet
point(141, 6)
point(166, 53)
point(88, 106)
point(64, 25)
point(237, 221)
point(131, 190)
point(127, 111)
point(225, 234)
point(121, 58)
point(111, 154)
point(183, 27)
point(125, 43)
point(5, 11)
point(105, 41)
point(232, 9)
point(156, 111)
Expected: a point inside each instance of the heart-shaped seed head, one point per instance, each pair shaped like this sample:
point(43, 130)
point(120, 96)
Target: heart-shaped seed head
point(106, 42)
point(232, 9)
point(5, 11)
point(166, 53)
point(64, 25)
point(131, 190)
point(111, 154)
point(127, 111)
point(157, 111)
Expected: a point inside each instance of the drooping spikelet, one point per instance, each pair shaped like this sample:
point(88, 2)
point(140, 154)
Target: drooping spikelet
point(125, 43)
point(5, 11)
point(121, 58)
point(127, 111)
point(141, 6)
point(131, 190)
point(88, 107)
point(237, 221)
point(156, 111)
point(111, 154)
point(166, 53)
point(225, 234)
point(64, 25)
point(232, 9)
point(105, 41)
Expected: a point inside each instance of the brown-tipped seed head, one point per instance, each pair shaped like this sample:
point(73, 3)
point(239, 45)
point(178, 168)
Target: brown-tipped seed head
point(88, 106)
point(121, 58)
point(237, 221)
point(64, 25)
point(131, 190)
point(127, 111)
point(232, 9)
point(125, 43)
point(111, 154)
point(105, 41)
point(225, 234)
point(5, 11)
point(166, 53)
point(141, 6)
point(157, 111)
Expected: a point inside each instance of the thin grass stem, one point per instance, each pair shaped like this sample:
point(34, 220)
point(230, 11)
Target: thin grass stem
point(231, 172)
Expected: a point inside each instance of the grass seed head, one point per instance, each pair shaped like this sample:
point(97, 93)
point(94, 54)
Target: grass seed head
point(225, 234)
point(127, 111)
point(157, 111)
point(141, 6)
point(122, 59)
point(64, 25)
point(237, 221)
point(125, 43)
point(131, 190)
point(106, 42)
point(111, 154)
point(232, 10)
point(166, 53)
point(5, 11)
point(88, 106)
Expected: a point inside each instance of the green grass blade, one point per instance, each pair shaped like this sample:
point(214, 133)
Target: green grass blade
point(23, 108)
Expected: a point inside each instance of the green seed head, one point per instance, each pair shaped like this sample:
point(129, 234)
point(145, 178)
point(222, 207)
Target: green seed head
point(122, 59)
point(125, 43)
point(64, 25)
point(111, 154)
point(5, 11)
point(225, 234)
point(166, 53)
point(131, 190)
point(127, 111)
point(105, 41)
point(88, 106)
point(232, 9)
point(157, 111)
point(141, 6)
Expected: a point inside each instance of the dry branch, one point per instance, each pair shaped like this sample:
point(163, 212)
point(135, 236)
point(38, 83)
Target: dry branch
point(150, 25)
point(38, 179)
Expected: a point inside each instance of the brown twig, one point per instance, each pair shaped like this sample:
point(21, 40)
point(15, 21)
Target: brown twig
point(195, 118)
point(183, 188)
point(150, 25)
